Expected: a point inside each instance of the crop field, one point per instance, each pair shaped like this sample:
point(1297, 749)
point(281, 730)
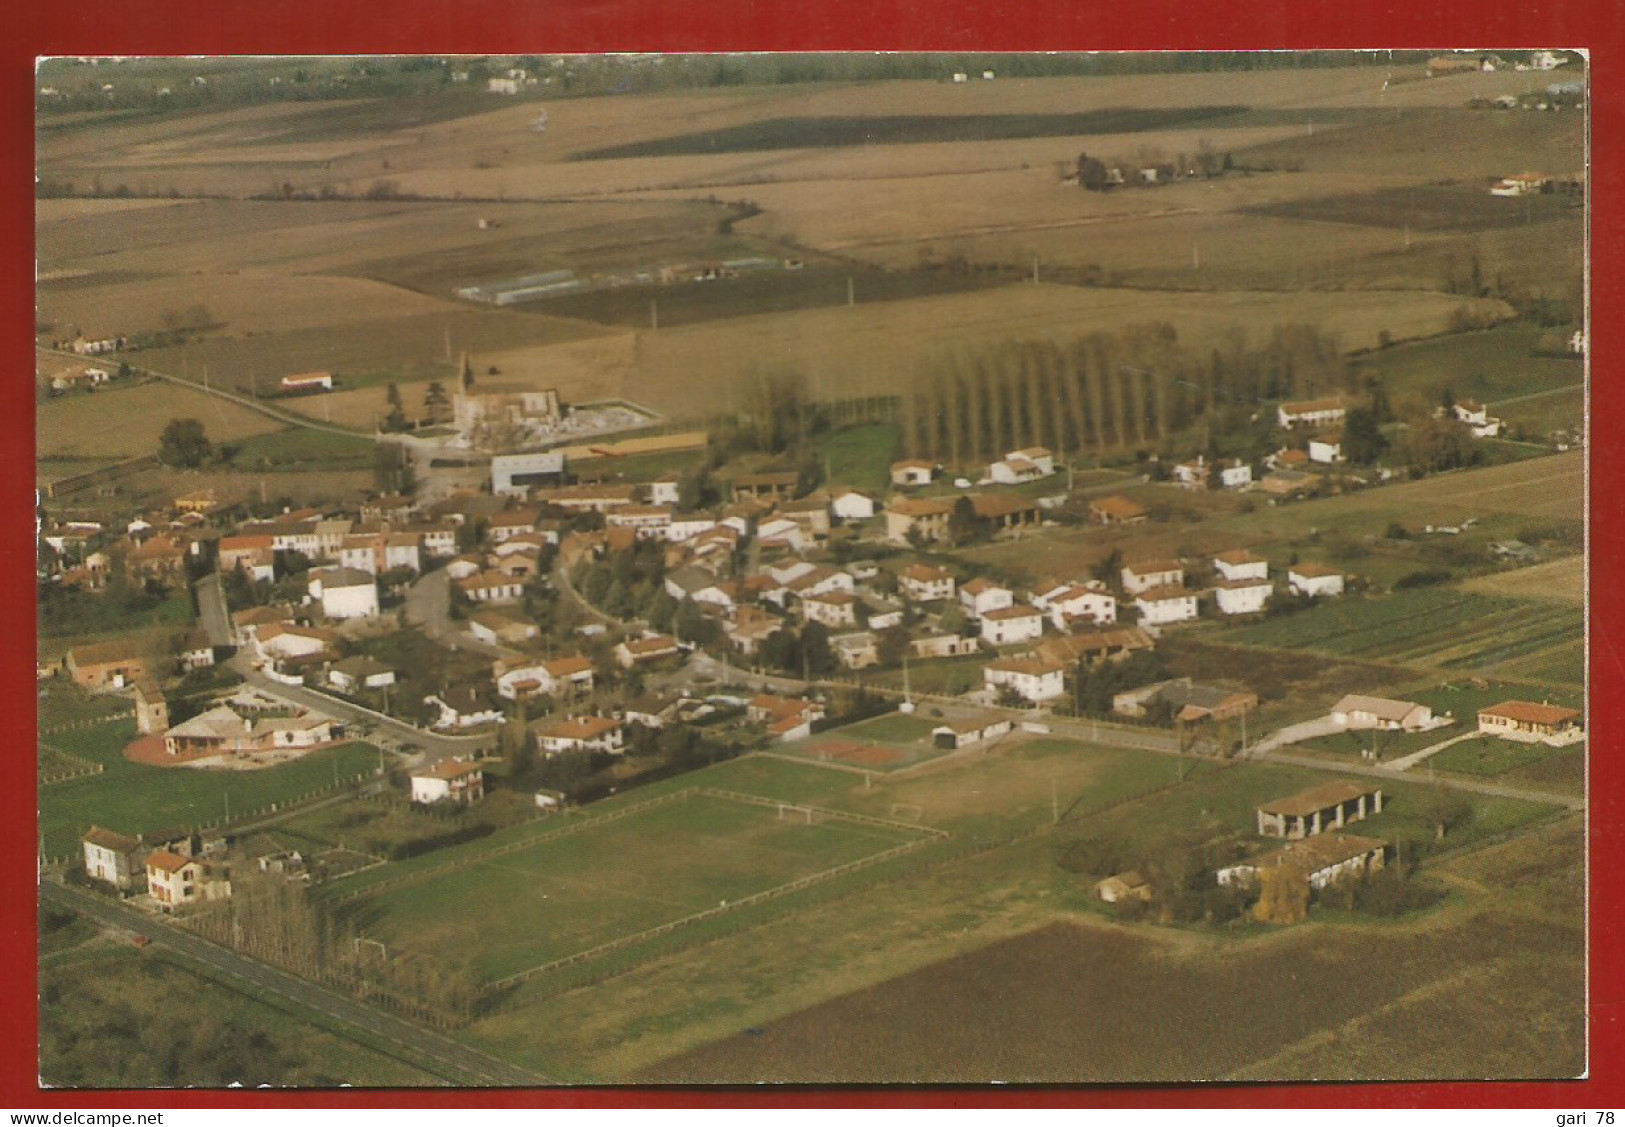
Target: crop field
point(848, 352)
point(1437, 626)
point(78, 425)
point(1423, 209)
point(971, 1018)
point(1564, 663)
point(299, 449)
point(132, 798)
point(573, 892)
point(1561, 580)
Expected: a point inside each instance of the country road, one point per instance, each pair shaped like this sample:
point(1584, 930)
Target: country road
point(434, 1052)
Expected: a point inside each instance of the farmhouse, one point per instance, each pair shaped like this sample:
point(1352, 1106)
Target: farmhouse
point(1242, 596)
point(589, 498)
point(1319, 809)
point(926, 583)
point(305, 383)
point(1528, 722)
point(1521, 184)
point(1022, 465)
point(1199, 473)
point(1010, 625)
point(1311, 413)
point(775, 711)
point(1096, 645)
point(1162, 605)
point(1151, 574)
point(1187, 701)
point(1327, 449)
point(1317, 860)
point(1316, 580)
point(837, 610)
point(1004, 510)
point(649, 522)
point(912, 471)
point(450, 780)
point(1033, 679)
point(221, 731)
point(1355, 711)
point(105, 665)
point(975, 729)
point(175, 881)
point(582, 733)
point(281, 640)
point(112, 858)
point(640, 651)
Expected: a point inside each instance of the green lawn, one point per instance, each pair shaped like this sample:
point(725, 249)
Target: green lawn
point(610, 880)
point(1489, 366)
point(62, 702)
point(1488, 755)
point(299, 448)
point(133, 798)
point(860, 457)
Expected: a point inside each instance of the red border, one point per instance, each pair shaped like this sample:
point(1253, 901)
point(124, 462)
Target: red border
point(482, 26)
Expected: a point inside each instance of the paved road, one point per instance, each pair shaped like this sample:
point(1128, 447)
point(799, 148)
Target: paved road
point(436, 1052)
point(428, 607)
point(211, 608)
point(1495, 790)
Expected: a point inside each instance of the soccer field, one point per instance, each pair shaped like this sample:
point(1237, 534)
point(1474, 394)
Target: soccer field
point(611, 879)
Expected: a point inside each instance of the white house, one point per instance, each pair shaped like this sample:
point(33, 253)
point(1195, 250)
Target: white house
point(1477, 418)
point(1022, 465)
point(852, 505)
point(1241, 564)
point(1160, 606)
point(1011, 625)
point(464, 707)
point(527, 677)
point(1032, 679)
point(1310, 413)
point(837, 610)
point(344, 592)
point(924, 583)
point(1242, 596)
point(636, 651)
point(355, 673)
point(1326, 449)
point(112, 857)
point(492, 587)
point(280, 640)
point(1151, 574)
point(912, 471)
point(450, 780)
point(982, 595)
point(664, 491)
point(1086, 602)
point(1314, 579)
point(975, 729)
point(582, 733)
point(1356, 711)
point(175, 881)
point(856, 651)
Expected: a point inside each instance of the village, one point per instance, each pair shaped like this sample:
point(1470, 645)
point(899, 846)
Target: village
point(648, 569)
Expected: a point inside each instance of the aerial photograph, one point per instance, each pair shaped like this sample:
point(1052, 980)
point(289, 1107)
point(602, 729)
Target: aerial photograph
point(828, 568)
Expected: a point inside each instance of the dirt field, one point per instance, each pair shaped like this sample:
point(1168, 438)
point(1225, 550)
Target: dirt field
point(127, 422)
point(1561, 580)
point(1051, 1007)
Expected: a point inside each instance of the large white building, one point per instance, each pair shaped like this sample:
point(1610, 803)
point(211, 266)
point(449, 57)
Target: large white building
point(344, 592)
point(1315, 580)
point(1032, 679)
point(1163, 605)
point(1242, 596)
point(1010, 625)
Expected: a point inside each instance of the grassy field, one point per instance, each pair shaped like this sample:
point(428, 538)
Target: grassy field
point(299, 449)
point(99, 1000)
point(133, 798)
point(80, 425)
point(1428, 208)
point(602, 882)
point(1492, 367)
point(1561, 581)
point(861, 456)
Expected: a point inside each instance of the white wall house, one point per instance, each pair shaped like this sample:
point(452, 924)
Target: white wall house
point(450, 780)
point(1310, 413)
point(1148, 576)
point(924, 583)
point(1242, 596)
point(1032, 679)
point(1088, 602)
point(982, 595)
point(850, 504)
point(1326, 450)
point(1011, 625)
point(1314, 579)
point(582, 733)
point(1241, 564)
point(912, 471)
point(1163, 605)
